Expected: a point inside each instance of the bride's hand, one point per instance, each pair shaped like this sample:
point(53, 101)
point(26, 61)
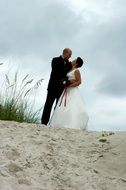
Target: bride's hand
point(72, 81)
point(75, 83)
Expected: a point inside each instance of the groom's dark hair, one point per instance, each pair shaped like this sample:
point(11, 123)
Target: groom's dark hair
point(79, 62)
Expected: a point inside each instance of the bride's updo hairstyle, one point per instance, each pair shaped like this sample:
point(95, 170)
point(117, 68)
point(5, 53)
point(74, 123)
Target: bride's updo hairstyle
point(79, 62)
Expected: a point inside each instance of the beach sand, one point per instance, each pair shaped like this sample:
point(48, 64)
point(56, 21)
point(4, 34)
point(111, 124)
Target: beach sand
point(36, 157)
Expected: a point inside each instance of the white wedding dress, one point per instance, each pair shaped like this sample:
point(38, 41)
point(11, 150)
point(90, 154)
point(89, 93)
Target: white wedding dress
point(70, 111)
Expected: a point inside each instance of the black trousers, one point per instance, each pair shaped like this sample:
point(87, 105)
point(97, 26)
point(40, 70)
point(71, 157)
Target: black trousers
point(51, 97)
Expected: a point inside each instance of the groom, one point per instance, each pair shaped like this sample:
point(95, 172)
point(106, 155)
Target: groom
point(60, 67)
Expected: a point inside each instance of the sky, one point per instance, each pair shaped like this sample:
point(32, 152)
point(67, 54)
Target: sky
point(32, 32)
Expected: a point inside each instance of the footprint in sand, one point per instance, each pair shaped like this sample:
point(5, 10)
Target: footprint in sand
point(24, 181)
point(12, 154)
point(13, 168)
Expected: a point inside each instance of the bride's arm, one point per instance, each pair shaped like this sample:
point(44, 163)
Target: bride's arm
point(77, 80)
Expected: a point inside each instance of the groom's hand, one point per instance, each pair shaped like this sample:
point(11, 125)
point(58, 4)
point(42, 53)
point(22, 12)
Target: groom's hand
point(65, 81)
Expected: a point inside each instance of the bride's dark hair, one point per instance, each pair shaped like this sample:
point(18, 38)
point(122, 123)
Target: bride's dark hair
point(79, 62)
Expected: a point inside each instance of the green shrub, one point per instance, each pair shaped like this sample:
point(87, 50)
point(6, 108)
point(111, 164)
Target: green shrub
point(15, 99)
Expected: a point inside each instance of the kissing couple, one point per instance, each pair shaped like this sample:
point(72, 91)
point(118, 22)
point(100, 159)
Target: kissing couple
point(63, 87)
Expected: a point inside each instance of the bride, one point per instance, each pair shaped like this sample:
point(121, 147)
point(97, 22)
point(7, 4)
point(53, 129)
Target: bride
point(70, 110)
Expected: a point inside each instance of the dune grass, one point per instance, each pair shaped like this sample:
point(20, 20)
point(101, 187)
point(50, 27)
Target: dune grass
point(15, 99)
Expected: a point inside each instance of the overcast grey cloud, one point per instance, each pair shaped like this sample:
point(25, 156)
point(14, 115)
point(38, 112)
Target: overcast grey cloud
point(35, 27)
point(111, 46)
point(106, 47)
point(34, 31)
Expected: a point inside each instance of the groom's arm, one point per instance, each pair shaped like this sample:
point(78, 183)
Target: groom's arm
point(57, 65)
point(54, 64)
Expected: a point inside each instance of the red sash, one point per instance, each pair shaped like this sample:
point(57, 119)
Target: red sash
point(64, 95)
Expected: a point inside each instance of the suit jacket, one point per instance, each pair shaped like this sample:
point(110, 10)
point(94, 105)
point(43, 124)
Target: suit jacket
point(60, 68)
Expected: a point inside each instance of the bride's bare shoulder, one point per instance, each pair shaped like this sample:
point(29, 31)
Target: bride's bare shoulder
point(77, 71)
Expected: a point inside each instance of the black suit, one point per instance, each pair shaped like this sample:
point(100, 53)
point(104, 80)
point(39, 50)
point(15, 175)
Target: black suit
point(60, 67)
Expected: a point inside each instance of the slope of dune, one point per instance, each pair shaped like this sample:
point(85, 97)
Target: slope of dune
point(36, 157)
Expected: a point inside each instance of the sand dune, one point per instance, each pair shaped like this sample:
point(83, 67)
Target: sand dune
point(36, 157)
